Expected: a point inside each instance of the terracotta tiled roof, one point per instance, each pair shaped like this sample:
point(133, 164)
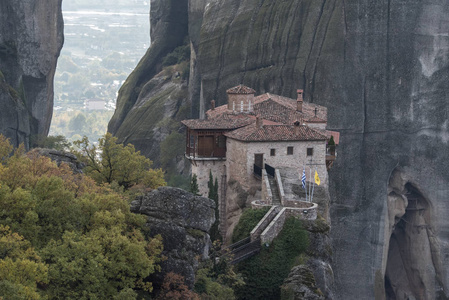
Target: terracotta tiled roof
point(212, 113)
point(277, 109)
point(274, 133)
point(273, 111)
point(241, 89)
point(315, 119)
point(223, 121)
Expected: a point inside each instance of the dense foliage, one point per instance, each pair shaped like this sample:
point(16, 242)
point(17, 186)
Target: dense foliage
point(265, 272)
point(111, 162)
point(247, 222)
point(216, 278)
point(63, 236)
point(58, 142)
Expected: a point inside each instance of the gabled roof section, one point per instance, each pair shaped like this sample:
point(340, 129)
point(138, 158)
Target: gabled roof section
point(315, 119)
point(223, 121)
point(241, 89)
point(276, 112)
point(277, 109)
point(275, 133)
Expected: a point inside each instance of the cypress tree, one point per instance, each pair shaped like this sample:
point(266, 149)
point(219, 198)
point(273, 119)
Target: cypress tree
point(194, 186)
point(213, 194)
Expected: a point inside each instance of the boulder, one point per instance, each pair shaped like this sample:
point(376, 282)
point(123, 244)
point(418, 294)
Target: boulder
point(183, 220)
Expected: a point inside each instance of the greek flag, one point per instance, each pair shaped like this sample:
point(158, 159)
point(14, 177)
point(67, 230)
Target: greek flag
point(303, 179)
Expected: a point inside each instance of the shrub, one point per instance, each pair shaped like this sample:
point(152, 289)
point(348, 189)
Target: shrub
point(265, 273)
point(180, 54)
point(247, 222)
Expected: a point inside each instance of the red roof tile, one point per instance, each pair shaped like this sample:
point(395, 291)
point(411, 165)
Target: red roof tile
point(315, 119)
point(224, 121)
point(274, 133)
point(273, 111)
point(241, 89)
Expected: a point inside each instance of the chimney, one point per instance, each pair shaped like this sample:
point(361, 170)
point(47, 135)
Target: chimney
point(297, 127)
point(299, 100)
point(212, 105)
point(259, 121)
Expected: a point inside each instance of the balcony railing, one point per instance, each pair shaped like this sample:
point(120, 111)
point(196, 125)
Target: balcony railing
point(201, 153)
point(270, 170)
point(257, 171)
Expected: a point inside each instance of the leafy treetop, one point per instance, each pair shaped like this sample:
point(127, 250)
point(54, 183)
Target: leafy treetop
point(62, 236)
point(111, 162)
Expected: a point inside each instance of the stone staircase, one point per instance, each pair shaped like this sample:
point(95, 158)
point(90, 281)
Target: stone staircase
point(274, 191)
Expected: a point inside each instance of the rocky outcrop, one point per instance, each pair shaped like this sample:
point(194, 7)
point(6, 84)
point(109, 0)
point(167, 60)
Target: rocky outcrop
point(381, 68)
point(31, 37)
point(300, 284)
point(314, 279)
point(60, 157)
point(183, 220)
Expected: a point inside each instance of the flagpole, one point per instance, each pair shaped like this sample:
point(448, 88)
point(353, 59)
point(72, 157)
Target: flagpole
point(310, 176)
point(305, 186)
point(313, 188)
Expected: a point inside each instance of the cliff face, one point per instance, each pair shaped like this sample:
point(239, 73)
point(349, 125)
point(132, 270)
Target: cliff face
point(31, 37)
point(381, 68)
point(151, 103)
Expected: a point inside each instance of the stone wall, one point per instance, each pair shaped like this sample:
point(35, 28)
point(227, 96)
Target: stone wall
point(298, 160)
point(267, 195)
point(241, 102)
point(266, 220)
point(202, 168)
point(236, 161)
point(274, 228)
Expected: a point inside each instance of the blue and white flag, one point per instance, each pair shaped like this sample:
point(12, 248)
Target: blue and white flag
point(303, 179)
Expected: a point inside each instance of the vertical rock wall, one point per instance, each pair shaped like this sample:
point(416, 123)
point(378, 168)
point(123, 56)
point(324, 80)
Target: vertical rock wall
point(381, 68)
point(31, 37)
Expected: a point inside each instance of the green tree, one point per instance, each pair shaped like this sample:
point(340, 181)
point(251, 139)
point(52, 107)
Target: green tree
point(277, 261)
point(111, 161)
point(21, 269)
point(58, 142)
point(92, 245)
point(102, 262)
point(331, 145)
point(216, 278)
point(213, 194)
point(194, 185)
point(78, 123)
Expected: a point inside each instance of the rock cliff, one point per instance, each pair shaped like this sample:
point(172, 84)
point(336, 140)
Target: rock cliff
point(152, 101)
point(31, 37)
point(183, 220)
point(382, 69)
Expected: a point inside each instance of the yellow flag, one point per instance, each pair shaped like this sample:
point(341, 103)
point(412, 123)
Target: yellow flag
point(317, 179)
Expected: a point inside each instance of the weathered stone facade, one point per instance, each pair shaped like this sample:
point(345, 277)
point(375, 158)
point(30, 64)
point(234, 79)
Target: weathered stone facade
point(240, 158)
point(237, 141)
point(202, 169)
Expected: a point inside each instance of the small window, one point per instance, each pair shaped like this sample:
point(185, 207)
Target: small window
point(290, 150)
point(309, 151)
point(272, 152)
